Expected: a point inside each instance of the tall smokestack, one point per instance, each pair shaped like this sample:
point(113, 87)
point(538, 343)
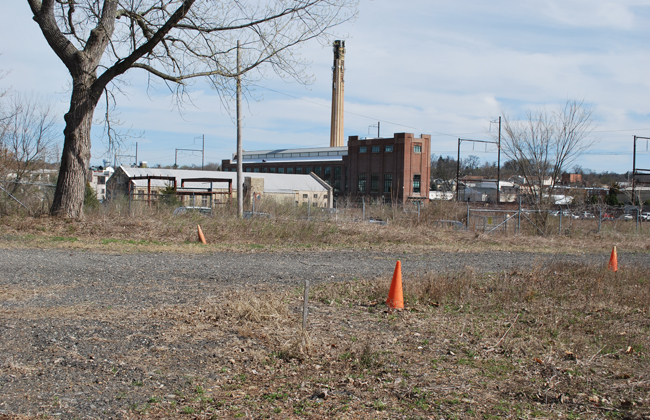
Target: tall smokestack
point(336, 131)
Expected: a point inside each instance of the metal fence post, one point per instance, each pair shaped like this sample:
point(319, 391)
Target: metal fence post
point(519, 217)
point(418, 211)
point(560, 232)
point(600, 218)
point(305, 307)
point(363, 211)
point(468, 215)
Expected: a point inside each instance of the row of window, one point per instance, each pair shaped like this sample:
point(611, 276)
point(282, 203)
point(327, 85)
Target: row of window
point(297, 170)
point(388, 183)
point(417, 148)
point(374, 183)
point(300, 154)
point(375, 149)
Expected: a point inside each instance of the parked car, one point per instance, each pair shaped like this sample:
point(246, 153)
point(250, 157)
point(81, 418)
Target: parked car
point(645, 216)
point(189, 209)
point(586, 215)
point(251, 214)
point(554, 213)
point(608, 216)
point(626, 217)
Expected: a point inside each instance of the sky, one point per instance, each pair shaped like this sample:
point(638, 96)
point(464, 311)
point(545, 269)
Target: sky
point(438, 67)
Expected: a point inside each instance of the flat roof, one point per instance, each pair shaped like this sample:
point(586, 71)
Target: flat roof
point(293, 153)
point(273, 183)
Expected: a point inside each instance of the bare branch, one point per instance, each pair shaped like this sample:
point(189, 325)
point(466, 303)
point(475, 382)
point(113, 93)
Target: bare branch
point(545, 143)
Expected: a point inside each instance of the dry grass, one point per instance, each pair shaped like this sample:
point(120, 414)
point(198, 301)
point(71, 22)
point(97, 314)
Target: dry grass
point(561, 342)
point(138, 228)
point(565, 341)
point(571, 323)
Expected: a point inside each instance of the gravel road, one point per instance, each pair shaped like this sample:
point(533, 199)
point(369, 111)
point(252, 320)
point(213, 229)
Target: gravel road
point(77, 340)
point(101, 278)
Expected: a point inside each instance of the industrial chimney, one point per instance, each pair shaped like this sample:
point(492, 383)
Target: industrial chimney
point(336, 131)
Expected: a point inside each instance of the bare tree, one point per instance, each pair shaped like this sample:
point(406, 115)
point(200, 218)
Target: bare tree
point(174, 41)
point(27, 138)
point(543, 144)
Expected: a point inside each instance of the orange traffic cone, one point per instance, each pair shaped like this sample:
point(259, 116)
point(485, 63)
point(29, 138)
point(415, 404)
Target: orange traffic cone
point(395, 296)
point(201, 237)
point(613, 261)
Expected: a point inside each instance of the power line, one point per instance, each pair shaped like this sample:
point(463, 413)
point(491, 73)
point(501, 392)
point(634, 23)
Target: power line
point(433, 133)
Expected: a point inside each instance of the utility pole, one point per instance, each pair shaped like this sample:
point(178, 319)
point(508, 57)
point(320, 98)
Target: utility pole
point(499, 166)
point(634, 171)
point(240, 170)
point(637, 171)
point(458, 172)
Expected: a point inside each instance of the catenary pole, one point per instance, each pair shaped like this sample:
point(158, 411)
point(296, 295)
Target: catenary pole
point(499, 166)
point(240, 174)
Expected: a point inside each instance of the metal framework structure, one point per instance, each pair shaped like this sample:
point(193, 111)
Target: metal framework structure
point(195, 191)
point(202, 192)
point(202, 150)
point(149, 178)
point(638, 171)
point(498, 143)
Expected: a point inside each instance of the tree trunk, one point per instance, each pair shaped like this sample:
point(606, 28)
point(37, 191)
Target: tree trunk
point(71, 185)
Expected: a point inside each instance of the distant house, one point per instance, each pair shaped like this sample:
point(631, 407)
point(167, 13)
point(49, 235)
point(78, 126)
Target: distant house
point(483, 189)
point(571, 179)
point(97, 178)
point(211, 188)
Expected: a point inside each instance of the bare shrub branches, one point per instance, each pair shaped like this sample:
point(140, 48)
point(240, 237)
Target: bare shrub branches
point(545, 143)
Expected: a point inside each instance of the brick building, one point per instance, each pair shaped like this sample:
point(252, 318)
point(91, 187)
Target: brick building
point(391, 169)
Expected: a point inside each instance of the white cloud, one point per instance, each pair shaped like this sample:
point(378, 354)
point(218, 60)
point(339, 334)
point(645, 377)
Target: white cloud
point(436, 66)
point(588, 13)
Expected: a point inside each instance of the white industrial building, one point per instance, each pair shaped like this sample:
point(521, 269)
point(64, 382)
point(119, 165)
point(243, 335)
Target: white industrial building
point(209, 188)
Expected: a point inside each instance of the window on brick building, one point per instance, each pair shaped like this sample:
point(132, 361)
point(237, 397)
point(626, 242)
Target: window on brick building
point(362, 183)
point(272, 170)
point(388, 148)
point(317, 170)
point(363, 149)
point(388, 183)
point(299, 170)
point(416, 184)
point(417, 148)
point(280, 170)
point(375, 149)
point(338, 170)
point(374, 183)
point(289, 170)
